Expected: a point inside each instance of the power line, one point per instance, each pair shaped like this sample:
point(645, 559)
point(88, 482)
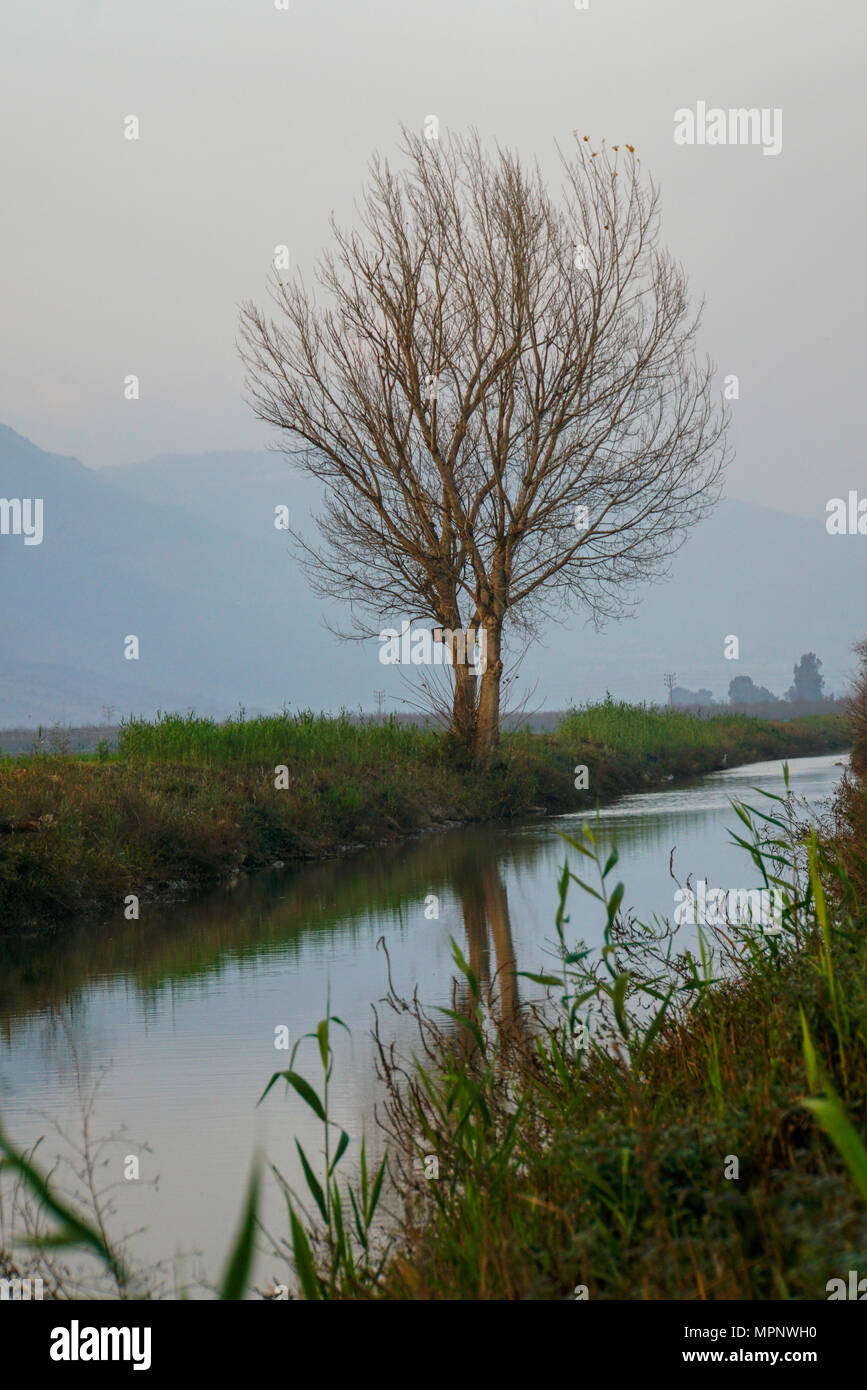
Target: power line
point(669, 678)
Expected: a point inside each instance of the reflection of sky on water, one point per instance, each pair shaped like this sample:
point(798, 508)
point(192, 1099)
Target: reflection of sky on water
point(184, 1003)
point(692, 822)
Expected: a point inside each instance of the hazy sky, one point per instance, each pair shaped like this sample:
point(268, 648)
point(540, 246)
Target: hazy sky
point(132, 256)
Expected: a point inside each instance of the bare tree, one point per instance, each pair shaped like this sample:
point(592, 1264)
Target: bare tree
point(500, 393)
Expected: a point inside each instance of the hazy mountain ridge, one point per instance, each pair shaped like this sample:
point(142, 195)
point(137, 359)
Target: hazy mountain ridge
point(181, 550)
point(201, 599)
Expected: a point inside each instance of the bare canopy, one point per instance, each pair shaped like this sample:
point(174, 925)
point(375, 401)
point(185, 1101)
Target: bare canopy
point(500, 392)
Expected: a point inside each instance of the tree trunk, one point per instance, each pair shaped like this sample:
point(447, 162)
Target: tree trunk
point(488, 722)
point(464, 706)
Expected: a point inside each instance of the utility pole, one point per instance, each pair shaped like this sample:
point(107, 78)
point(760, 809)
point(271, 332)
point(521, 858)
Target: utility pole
point(669, 678)
point(379, 696)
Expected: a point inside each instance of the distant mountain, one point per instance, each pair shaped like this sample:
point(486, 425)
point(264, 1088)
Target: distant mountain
point(209, 605)
point(233, 491)
point(182, 551)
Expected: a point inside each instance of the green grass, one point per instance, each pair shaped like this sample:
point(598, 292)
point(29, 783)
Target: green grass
point(645, 731)
point(304, 739)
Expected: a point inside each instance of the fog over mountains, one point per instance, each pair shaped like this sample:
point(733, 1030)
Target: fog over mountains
point(182, 552)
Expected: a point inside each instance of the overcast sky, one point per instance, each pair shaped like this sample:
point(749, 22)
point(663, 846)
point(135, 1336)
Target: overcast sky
point(132, 256)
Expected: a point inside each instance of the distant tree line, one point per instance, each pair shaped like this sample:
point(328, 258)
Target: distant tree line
point(806, 694)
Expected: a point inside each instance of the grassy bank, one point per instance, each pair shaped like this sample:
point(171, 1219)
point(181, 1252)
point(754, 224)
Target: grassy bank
point(184, 802)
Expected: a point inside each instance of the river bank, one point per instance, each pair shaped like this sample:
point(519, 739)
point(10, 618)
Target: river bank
point(185, 803)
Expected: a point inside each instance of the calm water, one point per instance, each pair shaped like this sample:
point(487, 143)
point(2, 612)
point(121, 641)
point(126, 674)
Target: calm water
point(175, 1015)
